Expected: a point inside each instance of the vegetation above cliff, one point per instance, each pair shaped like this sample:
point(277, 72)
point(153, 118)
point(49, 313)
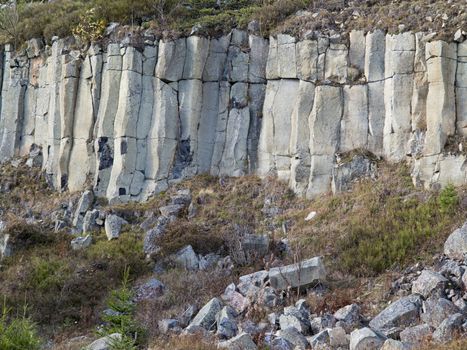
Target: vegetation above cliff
point(26, 19)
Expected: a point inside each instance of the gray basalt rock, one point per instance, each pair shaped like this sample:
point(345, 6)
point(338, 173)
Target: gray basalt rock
point(104, 343)
point(416, 335)
point(449, 328)
point(206, 317)
point(298, 275)
point(186, 258)
point(365, 338)
point(428, 283)
point(242, 341)
point(349, 317)
point(400, 314)
point(435, 310)
point(113, 226)
point(226, 324)
point(455, 246)
point(294, 337)
point(80, 243)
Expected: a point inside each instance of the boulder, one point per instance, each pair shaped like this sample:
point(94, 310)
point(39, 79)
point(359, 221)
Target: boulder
point(186, 258)
point(435, 310)
point(298, 275)
point(90, 221)
point(429, 282)
point(349, 317)
point(206, 317)
point(400, 314)
point(255, 245)
point(294, 337)
point(338, 337)
point(320, 340)
point(84, 204)
point(171, 210)
point(455, 246)
point(113, 226)
point(104, 343)
point(149, 290)
point(365, 339)
point(242, 341)
point(226, 324)
point(449, 328)
point(236, 300)
point(5, 245)
point(391, 344)
point(80, 243)
point(279, 343)
point(169, 325)
point(320, 323)
point(416, 335)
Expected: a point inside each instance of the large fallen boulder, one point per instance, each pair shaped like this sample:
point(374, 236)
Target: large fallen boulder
point(365, 339)
point(429, 282)
point(113, 226)
point(301, 274)
point(240, 342)
point(455, 246)
point(206, 317)
point(403, 313)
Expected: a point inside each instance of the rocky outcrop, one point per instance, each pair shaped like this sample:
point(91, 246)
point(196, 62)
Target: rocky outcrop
point(129, 120)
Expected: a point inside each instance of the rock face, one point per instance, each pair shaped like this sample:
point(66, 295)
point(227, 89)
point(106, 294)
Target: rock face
point(129, 121)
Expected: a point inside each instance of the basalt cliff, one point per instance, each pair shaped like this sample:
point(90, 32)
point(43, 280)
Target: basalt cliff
point(130, 119)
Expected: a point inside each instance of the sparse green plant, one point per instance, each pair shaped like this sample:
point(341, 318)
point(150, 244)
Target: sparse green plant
point(121, 318)
point(17, 332)
point(448, 199)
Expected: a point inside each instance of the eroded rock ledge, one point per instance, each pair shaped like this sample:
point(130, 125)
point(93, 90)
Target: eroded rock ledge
point(129, 121)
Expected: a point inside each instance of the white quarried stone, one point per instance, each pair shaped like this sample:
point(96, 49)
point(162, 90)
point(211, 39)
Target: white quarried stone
point(71, 64)
point(104, 125)
point(376, 117)
point(197, 49)
point(461, 89)
point(221, 127)
point(256, 95)
point(13, 93)
point(336, 63)
point(162, 137)
point(272, 64)
point(374, 56)
point(190, 97)
point(286, 57)
point(259, 48)
point(82, 158)
point(300, 138)
point(365, 339)
point(234, 156)
point(354, 124)
point(273, 148)
point(206, 133)
point(324, 123)
point(307, 60)
point(357, 49)
point(125, 126)
point(398, 121)
point(171, 60)
point(441, 112)
point(214, 67)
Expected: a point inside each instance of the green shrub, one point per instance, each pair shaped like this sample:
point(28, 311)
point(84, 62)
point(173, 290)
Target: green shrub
point(396, 232)
point(448, 199)
point(121, 319)
point(17, 333)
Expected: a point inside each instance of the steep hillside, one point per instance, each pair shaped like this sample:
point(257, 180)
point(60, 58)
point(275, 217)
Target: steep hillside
point(370, 238)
